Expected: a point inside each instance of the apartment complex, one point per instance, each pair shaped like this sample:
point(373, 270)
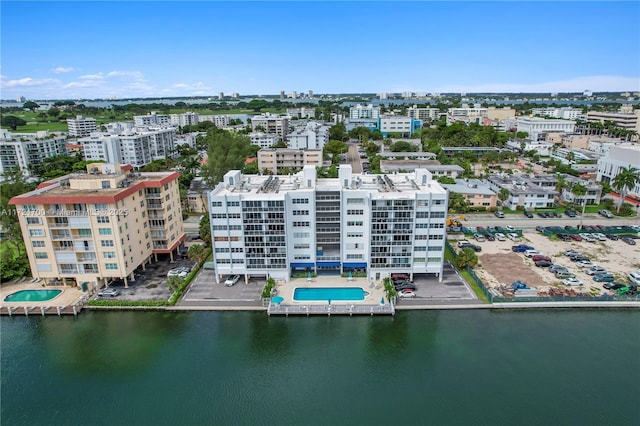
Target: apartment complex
point(151, 119)
point(264, 140)
point(275, 225)
point(97, 226)
point(302, 112)
point(525, 191)
point(275, 124)
point(565, 113)
point(137, 146)
point(475, 192)
point(423, 114)
point(395, 124)
point(360, 112)
point(274, 160)
point(219, 120)
point(617, 158)
point(184, 119)
point(27, 150)
point(313, 136)
point(81, 126)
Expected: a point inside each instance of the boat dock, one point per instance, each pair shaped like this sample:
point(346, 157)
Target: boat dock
point(330, 309)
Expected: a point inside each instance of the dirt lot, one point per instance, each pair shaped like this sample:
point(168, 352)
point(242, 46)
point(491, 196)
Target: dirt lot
point(499, 265)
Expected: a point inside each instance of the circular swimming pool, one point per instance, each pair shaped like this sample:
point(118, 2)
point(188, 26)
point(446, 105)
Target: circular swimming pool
point(32, 295)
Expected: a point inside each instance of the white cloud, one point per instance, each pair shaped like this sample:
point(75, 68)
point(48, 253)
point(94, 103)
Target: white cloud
point(97, 76)
point(60, 70)
point(29, 82)
point(133, 74)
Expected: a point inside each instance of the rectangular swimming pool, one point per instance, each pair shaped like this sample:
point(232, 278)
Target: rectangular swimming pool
point(329, 293)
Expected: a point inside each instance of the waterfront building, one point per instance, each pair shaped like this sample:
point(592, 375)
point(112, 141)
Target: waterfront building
point(275, 225)
point(423, 114)
point(270, 123)
point(565, 113)
point(466, 114)
point(184, 119)
point(27, 150)
point(151, 119)
point(302, 112)
point(626, 118)
point(395, 124)
point(81, 126)
point(97, 226)
point(137, 146)
point(617, 158)
point(219, 120)
point(541, 148)
point(313, 136)
point(273, 160)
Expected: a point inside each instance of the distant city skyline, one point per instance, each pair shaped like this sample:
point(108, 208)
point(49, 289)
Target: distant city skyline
point(90, 50)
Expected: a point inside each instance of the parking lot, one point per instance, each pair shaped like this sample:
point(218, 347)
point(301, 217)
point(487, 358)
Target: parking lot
point(150, 284)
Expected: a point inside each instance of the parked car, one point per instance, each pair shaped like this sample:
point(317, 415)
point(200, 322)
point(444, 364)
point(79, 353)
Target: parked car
point(108, 292)
point(510, 228)
point(521, 248)
point(475, 247)
point(572, 281)
point(499, 215)
point(566, 237)
point(479, 237)
point(543, 215)
point(562, 275)
point(400, 276)
point(584, 264)
point(462, 243)
point(576, 237)
point(528, 214)
point(605, 213)
point(613, 285)
point(500, 236)
point(178, 272)
point(599, 236)
point(579, 258)
point(404, 286)
point(404, 294)
point(532, 252)
point(569, 228)
point(634, 277)
point(231, 280)
point(571, 252)
point(557, 268)
point(540, 228)
point(543, 263)
point(604, 278)
point(595, 270)
point(612, 237)
point(570, 213)
point(519, 285)
point(538, 257)
point(629, 241)
point(513, 236)
point(489, 237)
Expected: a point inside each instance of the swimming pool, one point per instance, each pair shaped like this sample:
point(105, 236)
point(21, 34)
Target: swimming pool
point(32, 295)
point(329, 293)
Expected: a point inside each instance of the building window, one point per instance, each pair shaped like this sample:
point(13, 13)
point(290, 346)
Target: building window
point(37, 243)
point(104, 231)
point(33, 221)
point(106, 243)
point(102, 219)
point(111, 266)
point(109, 254)
point(36, 232)
point(41, 255)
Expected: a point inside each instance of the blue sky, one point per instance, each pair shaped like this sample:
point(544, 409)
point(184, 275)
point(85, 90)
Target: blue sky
point(58, 50)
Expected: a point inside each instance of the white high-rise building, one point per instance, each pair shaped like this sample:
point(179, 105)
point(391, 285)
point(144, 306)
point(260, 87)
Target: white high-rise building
point(219, 120)
point(184, 119)
point(151, 119)
point(271, 124)
point(617, 158)
point(364, 112)
point(313, 136)
point(81, 126)
point(25, 150)
point(275, 225)
point(423, 114)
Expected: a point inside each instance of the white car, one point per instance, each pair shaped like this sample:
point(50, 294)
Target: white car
point(585, 264)
point(531, 253)
point(108, 292)
point(513, 236)
point(599, 236)
point(462, 243)
point(510, 228)
point(500, 236)
point(595, 270)
point(406, 294)
point(178, 272)
point(572, 281)
point(232, 280)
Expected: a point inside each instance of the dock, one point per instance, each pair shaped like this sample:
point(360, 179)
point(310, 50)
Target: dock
point(333, 309)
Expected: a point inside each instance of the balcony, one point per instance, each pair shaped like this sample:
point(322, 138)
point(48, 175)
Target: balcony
point(58, 225)
point(61, 236)
point(154, 206)
point(63, 249)
point(153, 196)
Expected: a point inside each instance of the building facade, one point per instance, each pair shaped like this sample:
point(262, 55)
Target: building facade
point(28, 150)
point(151, 119)
point(101, 225)
point(475, 192)
point(275, 124)
point(525, 191)
point(395, 124)
point(363, 112)
point(423, 114)
point(274, 160)
point(537, 127)
point(313, 136)
point(219, 120)
point(184, 119)
point(264, 140)
point(81, 126)
point(275, 225)
point(626, 118)
point(617, 158)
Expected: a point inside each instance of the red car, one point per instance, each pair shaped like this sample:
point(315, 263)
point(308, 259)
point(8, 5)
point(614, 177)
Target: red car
point(538, 257)
point(575, 237)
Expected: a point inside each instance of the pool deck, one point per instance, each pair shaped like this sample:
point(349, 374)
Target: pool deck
point(369, 306)
point(69, 302)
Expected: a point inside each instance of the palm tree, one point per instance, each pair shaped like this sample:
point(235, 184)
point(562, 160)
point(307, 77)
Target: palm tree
point(579, 190)
point(624, 181)
point(466, 257)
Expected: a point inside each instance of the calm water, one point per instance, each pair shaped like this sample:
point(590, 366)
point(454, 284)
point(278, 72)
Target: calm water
point(432, 368)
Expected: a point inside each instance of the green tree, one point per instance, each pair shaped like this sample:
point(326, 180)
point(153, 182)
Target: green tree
point(197, 253)
point(336, 147)
point(174, 283)
point(31, 106)
point(466, 257)
point(624, 181)
point(227, 151)
point(205, 230)
point(338, 132)
point(457, 203)
point(53, 112)
point(503, 195)
point(579, 191)
point(12, 122)
point(403, 146)
point(389, 289)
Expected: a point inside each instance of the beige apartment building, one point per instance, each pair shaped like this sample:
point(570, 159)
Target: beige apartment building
point(96, 226)
point(274, 160)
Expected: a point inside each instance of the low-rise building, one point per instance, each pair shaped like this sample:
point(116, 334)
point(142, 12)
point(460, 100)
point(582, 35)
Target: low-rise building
point(197, 196)
point(28, 150)
point(151, 119)
point(541, 148)
point(423, 114)
point(538, 128)
point(313, 136)
point(219, 120)
point(96, 226)
point(525, 191)
point(274, 160)
point(264, 140)
point(396, 124)
point(476, 192)
point(592, 197)
point(302, 112)
point(626, 118)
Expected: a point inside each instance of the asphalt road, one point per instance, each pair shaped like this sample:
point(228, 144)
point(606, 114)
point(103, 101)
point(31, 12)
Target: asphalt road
point(353, 158)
